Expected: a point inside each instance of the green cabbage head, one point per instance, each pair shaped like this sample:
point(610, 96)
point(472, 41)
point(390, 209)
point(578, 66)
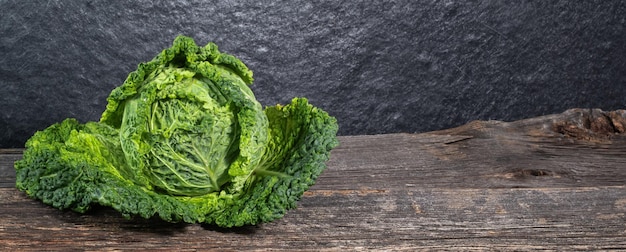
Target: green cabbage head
point(184, 139)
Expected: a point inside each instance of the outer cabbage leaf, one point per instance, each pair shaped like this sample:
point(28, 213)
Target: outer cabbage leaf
point(70, 166)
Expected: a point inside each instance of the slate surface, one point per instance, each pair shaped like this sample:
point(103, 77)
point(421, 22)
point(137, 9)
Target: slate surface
point(378, 66)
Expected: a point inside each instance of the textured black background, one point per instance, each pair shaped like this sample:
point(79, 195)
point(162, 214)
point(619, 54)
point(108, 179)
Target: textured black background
point(378, 66)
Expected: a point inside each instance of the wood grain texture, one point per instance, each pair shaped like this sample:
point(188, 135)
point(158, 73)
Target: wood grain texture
point(556, 182)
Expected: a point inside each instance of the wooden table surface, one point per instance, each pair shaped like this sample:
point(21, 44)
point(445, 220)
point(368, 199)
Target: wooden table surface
point(556, 182)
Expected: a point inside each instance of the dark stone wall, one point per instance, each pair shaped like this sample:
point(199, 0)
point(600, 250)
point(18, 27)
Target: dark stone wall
point(378, 66)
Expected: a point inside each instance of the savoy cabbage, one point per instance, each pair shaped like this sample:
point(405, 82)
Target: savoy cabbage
point(184, 139)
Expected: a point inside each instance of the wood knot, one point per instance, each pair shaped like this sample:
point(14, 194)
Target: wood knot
point(591, 124)
point(534, 173)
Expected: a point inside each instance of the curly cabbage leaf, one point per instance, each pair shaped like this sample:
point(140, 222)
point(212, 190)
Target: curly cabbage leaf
point(183, 138)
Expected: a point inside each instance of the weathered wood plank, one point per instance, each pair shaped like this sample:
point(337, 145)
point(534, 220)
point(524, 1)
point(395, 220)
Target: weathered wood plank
point(550, 218)
point(556, 182)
